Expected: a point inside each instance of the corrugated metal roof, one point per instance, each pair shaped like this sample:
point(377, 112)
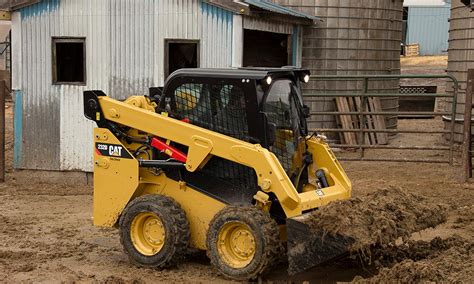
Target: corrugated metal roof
point(275, 8)
point(262, 4)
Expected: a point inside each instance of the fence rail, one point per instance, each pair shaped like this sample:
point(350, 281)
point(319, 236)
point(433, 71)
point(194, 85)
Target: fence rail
point(363, 94)
point(467, 129)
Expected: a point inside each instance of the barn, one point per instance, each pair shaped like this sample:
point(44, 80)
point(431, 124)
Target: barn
point(124, 47)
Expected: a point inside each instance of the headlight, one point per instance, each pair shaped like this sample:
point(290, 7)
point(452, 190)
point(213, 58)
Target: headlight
point(269, 80)
point(306, 78)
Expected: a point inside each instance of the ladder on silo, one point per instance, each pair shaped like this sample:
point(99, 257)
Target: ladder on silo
point(8, 54)
point(468, 147)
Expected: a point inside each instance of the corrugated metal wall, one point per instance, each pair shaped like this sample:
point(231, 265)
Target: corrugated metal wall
point(429, 27)
point(216, 37)
point(125, 55)
point(267, 26)
point(41, 100)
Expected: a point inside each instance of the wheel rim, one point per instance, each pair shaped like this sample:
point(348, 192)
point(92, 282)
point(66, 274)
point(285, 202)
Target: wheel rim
point(147, 233)
point(236, 244)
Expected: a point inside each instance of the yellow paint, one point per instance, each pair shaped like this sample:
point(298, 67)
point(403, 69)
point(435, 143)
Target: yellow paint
point(141, 102)
point(203, 144)
point(262, 200)
point(118, 180)
point(147, 233)
point(200, 141)
point(340, 186)
point(115, 181)
point(199, 208)
point(236, 244)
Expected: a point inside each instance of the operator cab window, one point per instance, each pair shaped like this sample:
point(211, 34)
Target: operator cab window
point(69, 57)
point(231, 112)
point(217, 107)
point(187, 96)
point(281, 110)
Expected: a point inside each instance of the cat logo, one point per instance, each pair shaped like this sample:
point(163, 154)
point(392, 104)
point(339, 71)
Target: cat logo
point(112, 150)
point(115, 150)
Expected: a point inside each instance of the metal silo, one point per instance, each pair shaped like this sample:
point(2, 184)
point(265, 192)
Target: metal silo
point(355, 37)
point(460, 55)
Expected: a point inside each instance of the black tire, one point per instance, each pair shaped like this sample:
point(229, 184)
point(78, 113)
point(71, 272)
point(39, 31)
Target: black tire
point(266, 234)
point(175, 225)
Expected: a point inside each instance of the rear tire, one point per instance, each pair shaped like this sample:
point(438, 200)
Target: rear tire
point(154, 231)
point(243, 242)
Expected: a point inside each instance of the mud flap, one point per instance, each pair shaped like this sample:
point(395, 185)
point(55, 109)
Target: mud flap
point(308, 247)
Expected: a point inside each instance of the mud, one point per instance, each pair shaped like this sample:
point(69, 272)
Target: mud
point(464, 218)
point(439, 260)
point(378, 219)
point(46, 231)
point(452, 265)
point(414, 250)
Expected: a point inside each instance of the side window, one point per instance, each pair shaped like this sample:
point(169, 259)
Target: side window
point(231, 112)
point(180, 53)
point(225, 95)
point(217, 107)
point(69, 57)
point(187, 96)
point(193, 103)
point(280, 110)
point(230, 96)
point(278, 106)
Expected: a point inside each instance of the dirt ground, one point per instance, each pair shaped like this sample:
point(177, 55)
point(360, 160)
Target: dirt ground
point(426, 61)
point(46, 232)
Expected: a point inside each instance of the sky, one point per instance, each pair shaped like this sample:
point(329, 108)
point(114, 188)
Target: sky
point(423, 2)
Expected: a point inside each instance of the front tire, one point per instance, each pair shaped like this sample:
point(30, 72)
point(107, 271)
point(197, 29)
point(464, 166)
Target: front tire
point(154, 231)
point(243, 242)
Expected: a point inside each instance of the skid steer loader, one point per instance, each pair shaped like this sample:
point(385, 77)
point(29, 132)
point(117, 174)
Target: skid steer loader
point(220, 161)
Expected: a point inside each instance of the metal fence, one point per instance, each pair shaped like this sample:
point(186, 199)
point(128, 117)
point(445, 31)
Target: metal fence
point(467, 129)
point(362, 95)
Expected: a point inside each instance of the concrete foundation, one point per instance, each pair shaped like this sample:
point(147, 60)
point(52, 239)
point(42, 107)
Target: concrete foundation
point(57, 177)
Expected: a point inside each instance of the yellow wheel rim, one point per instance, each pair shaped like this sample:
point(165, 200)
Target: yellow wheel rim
point(236, 244)
point(147, 233)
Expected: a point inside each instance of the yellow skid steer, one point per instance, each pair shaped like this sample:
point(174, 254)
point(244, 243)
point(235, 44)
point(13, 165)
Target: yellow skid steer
point(218, 160)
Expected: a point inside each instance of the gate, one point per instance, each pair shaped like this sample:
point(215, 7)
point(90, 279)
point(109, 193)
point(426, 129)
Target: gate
point(362, 122)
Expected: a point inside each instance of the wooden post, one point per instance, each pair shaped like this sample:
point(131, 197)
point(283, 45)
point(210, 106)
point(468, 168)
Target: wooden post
point(3, 92)
point(467, 160)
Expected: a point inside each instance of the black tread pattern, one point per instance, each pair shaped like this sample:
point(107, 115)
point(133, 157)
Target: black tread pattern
point(180, 224)
point(267, 229)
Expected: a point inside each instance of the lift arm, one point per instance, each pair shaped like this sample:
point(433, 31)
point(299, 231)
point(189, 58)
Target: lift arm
point(203, 144)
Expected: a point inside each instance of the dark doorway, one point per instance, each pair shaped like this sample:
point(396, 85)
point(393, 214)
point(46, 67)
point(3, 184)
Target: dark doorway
point(180, 54)
point(69, 56)
point(265, 49)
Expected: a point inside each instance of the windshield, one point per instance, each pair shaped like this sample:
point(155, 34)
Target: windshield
point(281, 110)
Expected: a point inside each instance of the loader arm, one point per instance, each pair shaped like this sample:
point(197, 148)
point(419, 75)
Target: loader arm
point(204, 143)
